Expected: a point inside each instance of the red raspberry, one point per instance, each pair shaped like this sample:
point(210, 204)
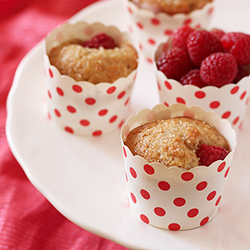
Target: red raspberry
point(240, 74)
point(201, 44)
point(209, 154)
point(174, 63)
point(217, 33)
point(229, 39)
point(180, 36)
point(218, 69)
point(192, 77)
point(240, 48)
point(101, 40)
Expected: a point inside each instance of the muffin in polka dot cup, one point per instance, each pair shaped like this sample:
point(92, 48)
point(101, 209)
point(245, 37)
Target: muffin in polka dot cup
point(152, 21)
point(90, 71)
point(177, 161)
point(215, 77)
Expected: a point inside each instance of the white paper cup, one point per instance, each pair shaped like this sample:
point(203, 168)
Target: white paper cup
point(81, 107)
point(229, 102)
point(150, 29)
point(172, 197)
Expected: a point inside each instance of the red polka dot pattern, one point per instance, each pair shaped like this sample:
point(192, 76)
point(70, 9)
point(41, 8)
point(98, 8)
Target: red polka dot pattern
point(133, 197)
point(159, 211)
point(162, 26)
point(194, 197)
point(155, 21)
point(200, 94)
point(211, 195)
point(133, 173)
point(145, 194)
point(174, 227)
point(221, 166)
point(69, 130)
point(180, 100)
point(229, 102)
point(226, 173)
point(218, 201)
point(201, 186)
point(77, 88)
point(51, 73)
point(124, 151)
point(163, 185)
point(187, 176)
point(111, 90)
point(84, 122)
point(204, 221)
point(144, 218)
point(149, 169)
point(121, 95)
point(103, 112)
point(172, 197)
point(86, 108)
point(59, 91)
point(97, 133)
point(57, 113)
point(90, 101)
point(49, 94)
point(71, 109)
point(113, 119)
point(192, 212)
point(179, 202)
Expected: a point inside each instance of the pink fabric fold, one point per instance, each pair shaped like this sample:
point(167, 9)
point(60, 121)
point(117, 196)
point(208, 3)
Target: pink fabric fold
point(27, 220)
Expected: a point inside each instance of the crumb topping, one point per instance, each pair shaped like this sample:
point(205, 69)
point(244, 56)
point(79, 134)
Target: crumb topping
point(171, 7)
point(173, 142)
point(94, 65)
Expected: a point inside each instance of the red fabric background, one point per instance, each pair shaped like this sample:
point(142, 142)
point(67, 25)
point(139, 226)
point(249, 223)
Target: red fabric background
point(27, 220)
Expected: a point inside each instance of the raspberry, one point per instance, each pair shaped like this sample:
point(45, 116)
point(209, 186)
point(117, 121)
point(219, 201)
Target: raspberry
point(241, 50)
point(229, 39)
point(193, 78)
point(240, 74)
point(180, 36)
point(217, 33)
point(218, 69)
point(209, 154)
point(174, 63)
point(101, 40)
point(201, 44)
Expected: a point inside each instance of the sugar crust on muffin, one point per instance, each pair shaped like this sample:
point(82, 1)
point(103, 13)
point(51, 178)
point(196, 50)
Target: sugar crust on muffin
point(173, 141)
point(91, 64)
point(171, 7)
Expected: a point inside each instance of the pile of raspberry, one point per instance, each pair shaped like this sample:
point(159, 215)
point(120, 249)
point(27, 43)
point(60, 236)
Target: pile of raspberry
point(206, 58)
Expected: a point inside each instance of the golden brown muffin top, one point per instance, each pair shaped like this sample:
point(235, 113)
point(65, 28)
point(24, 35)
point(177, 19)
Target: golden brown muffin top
point(174, 141)
point(94, 65)
point(171, 7)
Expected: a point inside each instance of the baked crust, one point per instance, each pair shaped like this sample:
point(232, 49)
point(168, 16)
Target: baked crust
point(174, 141)
point(171, 7)
point(93, 65)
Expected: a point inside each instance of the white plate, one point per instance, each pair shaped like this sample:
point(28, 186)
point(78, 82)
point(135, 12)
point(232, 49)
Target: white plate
point(84, 177)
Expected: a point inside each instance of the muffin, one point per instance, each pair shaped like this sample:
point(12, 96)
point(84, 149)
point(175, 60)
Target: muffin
point(177, 160)
point(90, 70)
point(174, 141)
point(215, 77)
point(153, 21)
point(171, 7)
point(94, 65)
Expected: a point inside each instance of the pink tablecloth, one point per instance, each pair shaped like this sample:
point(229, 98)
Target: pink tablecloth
point(27, 220)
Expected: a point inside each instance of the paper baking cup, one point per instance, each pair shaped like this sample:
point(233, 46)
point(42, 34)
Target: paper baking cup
point(229, 102)
point(82, 107)
point(172, 197)
point(150, 29)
